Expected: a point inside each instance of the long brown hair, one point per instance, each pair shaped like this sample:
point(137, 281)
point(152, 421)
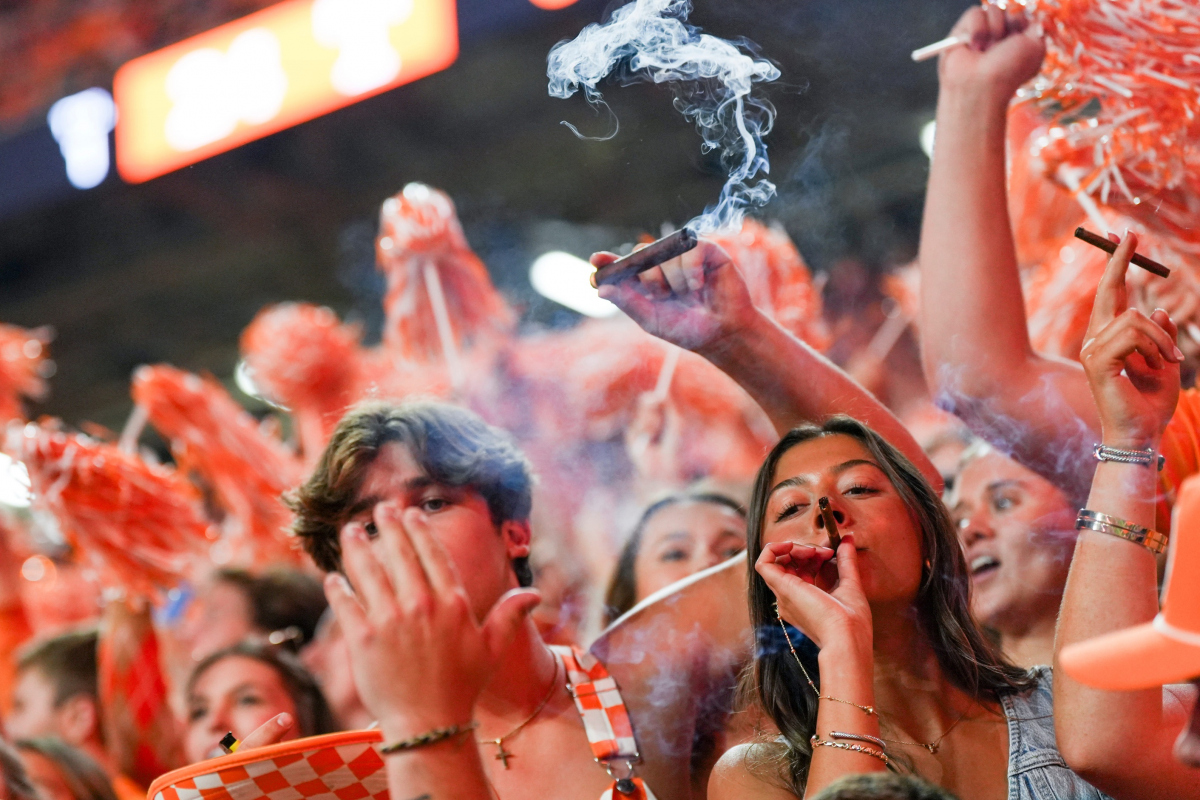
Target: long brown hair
point(968, 659)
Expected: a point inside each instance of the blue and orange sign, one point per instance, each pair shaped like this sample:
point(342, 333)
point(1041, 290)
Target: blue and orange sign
point(273, 69)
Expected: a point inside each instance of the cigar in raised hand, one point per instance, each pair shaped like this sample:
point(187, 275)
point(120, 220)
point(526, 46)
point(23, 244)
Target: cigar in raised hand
point(1095, 240)
point(650, 256)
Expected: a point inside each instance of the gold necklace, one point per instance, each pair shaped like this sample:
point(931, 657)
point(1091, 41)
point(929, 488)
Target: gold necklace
point(935, 745)
point(503, 755)
point(932, 747)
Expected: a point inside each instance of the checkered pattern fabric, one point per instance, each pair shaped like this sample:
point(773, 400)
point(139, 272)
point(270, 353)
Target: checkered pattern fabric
point(605, 718)
point(599, 702)
point(326, 770)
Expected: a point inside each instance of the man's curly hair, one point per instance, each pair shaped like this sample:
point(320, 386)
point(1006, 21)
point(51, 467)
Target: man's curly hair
point(451, 445)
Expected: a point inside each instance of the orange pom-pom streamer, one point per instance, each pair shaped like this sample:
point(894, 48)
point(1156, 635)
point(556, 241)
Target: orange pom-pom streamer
point(431, 269)
point(22, 367)
point(303, 358)
point(140, 524)
point(779, 281)
point(216, 438)
point(1119, 84)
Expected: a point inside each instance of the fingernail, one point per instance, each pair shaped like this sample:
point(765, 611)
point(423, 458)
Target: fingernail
point(284, 720)
point(1178, 354)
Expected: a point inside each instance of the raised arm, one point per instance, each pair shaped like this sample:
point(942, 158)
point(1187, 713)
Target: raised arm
point(1133, 368)
point(700, 302)
point(974, 340)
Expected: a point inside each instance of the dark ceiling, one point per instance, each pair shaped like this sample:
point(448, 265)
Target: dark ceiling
point(173, 269)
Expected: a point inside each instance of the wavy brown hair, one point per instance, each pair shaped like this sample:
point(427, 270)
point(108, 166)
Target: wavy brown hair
point(969, 660)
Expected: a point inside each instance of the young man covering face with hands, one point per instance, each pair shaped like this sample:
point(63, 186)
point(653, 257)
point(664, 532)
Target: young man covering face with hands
point(420, 513)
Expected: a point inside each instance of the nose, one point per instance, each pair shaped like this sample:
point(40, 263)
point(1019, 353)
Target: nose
point(974, 527)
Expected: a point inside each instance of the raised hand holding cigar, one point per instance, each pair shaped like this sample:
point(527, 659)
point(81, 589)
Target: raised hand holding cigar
point(693, 300)
point(1131, 360)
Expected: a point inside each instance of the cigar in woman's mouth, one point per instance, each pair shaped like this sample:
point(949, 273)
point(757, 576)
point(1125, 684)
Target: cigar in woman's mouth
point(835, 538)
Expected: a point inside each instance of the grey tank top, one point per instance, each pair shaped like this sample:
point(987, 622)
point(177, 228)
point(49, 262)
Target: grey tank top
point(1036, 770)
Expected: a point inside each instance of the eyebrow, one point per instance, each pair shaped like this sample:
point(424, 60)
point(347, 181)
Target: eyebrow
point(799, 480)
point(995, 486)
point(372, 500)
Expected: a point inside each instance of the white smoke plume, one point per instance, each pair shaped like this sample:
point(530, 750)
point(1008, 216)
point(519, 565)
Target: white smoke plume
point(650, 39)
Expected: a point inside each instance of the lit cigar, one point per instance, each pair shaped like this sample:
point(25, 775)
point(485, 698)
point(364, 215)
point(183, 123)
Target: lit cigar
point(835, 538)
point(650, 256)
point(1108, 247)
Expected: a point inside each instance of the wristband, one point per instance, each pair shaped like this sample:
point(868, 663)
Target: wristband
point(1143, 458)
point(428, 738)
point(1152, 540)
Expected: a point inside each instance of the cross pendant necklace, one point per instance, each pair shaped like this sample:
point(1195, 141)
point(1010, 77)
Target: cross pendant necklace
point(503, 755)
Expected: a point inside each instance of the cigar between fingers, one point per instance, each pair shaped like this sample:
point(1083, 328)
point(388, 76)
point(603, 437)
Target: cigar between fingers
point(835, 538)
point(650, 256)
point(1095, 240)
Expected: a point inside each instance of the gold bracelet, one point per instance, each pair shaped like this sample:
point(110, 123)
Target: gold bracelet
point(1152, 540)
point(868, 710)
point(427, 738)
point(857, 748)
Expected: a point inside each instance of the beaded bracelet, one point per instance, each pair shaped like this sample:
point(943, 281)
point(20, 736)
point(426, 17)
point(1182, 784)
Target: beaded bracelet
point(859, 737)
point(428, 738)
point(857, 748)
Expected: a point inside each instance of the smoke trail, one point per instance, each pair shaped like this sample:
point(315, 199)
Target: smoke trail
point(713, 78)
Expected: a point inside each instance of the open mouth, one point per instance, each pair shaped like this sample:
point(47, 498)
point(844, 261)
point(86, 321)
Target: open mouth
point(984, 565)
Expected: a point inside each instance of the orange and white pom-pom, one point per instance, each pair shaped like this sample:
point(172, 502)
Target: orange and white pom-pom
point(140, 524)
point(778, 279)
point(439, 295)
point(304, 358)
point(215, 438)
point(23, 367)
point(1119, 85)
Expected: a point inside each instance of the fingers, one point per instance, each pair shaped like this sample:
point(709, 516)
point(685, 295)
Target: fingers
point(601, 259)
point(800, 560)
point(973, 26)
point(847, 564)
point(439, 570)
point(273, 731)
point(1134, 332)
point(506, 618)
point(1163, 320)
point(400, 558)
point(1111, 298)
point(997, 26)
point(370, 580)
point(628, 298)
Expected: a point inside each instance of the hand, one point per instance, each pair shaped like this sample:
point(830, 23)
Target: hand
point(694, 301)
point(823, 600)
point(1131, 360)
point(652, 440)
point(420, 657)
point(1003, 53)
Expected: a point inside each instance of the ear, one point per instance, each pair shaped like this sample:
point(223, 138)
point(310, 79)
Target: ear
point(516, 536)
point(78, 720)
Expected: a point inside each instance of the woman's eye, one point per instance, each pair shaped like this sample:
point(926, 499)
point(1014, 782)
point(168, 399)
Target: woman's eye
point(1004, 503)
point(196, 713)
point(673, 555)
point(788, 511)
point(249, 700)
point(434, 504)
point(730, 552)
point(372, 529)
point(860, 489)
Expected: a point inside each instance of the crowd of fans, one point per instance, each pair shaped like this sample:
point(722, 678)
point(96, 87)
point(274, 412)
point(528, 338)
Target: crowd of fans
point(928, 637)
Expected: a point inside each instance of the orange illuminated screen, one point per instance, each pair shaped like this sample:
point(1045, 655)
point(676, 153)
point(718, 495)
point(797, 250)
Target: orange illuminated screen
point(271, 70)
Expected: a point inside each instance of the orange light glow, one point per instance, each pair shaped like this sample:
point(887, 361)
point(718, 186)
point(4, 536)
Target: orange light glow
point(268, 71)
point(553, 5)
